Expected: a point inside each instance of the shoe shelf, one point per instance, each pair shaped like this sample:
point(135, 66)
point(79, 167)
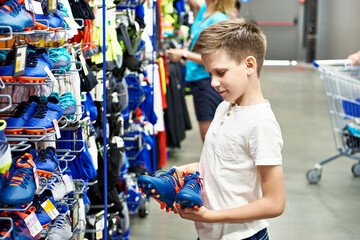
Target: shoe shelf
point(8, 103)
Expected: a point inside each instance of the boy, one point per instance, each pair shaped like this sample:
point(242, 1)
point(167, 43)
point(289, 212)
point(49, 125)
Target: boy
point(241, 161)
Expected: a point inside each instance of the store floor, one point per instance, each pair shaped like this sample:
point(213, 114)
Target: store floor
point(328, 210)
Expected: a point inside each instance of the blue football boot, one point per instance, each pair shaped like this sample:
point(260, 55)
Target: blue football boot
point(14, 14)
point(190, 196)
point(47, 162)
point(54, 20)
point(41, 214)
point(43, 117)
point(163, 188)
point(34, 69)
point(20, 187)
point(22, 113)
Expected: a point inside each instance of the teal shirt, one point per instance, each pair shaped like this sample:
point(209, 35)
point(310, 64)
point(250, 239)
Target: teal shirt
point(196, 71)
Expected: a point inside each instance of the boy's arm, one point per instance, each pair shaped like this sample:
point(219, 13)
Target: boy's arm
point(271, 205)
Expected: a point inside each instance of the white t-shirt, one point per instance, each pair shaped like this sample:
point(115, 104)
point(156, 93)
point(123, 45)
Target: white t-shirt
point(239, 139)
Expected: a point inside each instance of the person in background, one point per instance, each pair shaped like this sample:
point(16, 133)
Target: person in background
point(206, 99)
point(354, 58)
point(235, 12)
point(241, 161)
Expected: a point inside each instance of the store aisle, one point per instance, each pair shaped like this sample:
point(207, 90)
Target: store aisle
point(326, 210)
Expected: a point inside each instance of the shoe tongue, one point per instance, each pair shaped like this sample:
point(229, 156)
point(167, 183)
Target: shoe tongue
point(53, 99)
point(34, 99)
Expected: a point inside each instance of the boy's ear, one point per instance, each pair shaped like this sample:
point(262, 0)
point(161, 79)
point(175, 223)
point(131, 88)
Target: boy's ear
point(251, 64)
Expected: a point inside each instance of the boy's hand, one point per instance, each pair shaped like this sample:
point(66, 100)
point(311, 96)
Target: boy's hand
point(201, 215)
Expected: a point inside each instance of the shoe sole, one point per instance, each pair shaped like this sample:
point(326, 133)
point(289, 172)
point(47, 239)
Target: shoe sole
point(39, 131)
point(40, 26)
point(149, 190)
point(26, 79)
point(43, 173)
point(23, 79)
point(14, 131)
point(185, 203)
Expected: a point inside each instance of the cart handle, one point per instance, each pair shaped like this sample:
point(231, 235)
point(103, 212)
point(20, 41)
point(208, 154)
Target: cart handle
point(345, 62)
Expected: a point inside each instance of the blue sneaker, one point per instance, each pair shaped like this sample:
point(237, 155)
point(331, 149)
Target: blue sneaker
point(162, 188)
point(68, 104)
point(47, 162)
point(41, 214)
point(22, 113)
point(14, 14)
point(34, 69)
point(190, 196)
point(5, 153)
point(61, 58)
point(55, 21)
point(20, 187)
point(43, 117)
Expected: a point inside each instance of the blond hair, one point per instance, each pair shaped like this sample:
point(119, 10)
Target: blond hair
point(224, 6)
point(237, 37)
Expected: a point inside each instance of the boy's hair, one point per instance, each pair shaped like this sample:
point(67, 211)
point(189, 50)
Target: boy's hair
point(237, 37)
point(224, 6)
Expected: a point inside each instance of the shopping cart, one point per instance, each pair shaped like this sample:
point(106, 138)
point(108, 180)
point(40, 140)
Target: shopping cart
point(342, 90)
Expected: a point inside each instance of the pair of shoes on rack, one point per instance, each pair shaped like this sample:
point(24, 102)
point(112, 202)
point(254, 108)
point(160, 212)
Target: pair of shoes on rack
point(51, 21)
point(37, 61)
point(61, 58)
point(35, 116)
point(19, 187)
point(67, 102)
point(46, 162)
point(173, 186)
point(60, 227)
point(14, 15)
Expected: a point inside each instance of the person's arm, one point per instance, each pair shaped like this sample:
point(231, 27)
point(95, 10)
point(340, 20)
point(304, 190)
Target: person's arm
point(176, 54)
point(354, 58)
point(272, 203)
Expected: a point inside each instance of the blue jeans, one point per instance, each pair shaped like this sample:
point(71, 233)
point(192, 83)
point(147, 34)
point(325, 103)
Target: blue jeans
point(262, 235)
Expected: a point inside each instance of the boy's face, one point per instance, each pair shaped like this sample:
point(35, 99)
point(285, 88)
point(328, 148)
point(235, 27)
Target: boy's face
point(227, 77)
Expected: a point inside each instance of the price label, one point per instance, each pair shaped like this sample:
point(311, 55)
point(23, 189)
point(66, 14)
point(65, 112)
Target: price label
point(51, 7)
point(57, 129)
point(29, 5)
point(20, 60)
point(72, 23)
point(68, 183)
point(50, 209)
point(99, 226)
point(33, 224)
point(50, 74)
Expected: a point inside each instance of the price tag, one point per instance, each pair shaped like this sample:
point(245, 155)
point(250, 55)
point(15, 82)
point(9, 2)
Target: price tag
point(72, 23)
point(36, 176)
point(51, 75)
point(99, 226)
point(29, 5)
point(51, 7)
point(37, 8)
point(57, 129)
point(68, 183)
point(33, 224)
point(50, 209)
point(20, 60)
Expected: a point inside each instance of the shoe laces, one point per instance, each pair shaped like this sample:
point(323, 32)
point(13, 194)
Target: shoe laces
point(21, 109)
point(192, 180)
point(41, 109)
point(61, 221)
point(21, 175)
point(13, 5)
point(169, 177)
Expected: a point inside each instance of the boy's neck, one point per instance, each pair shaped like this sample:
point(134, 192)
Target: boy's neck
point(253, 95)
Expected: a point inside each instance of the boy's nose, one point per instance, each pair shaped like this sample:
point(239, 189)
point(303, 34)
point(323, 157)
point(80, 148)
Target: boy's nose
point(214, 82)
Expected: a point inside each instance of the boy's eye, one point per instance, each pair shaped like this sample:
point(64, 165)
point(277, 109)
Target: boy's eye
point(221, 73)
